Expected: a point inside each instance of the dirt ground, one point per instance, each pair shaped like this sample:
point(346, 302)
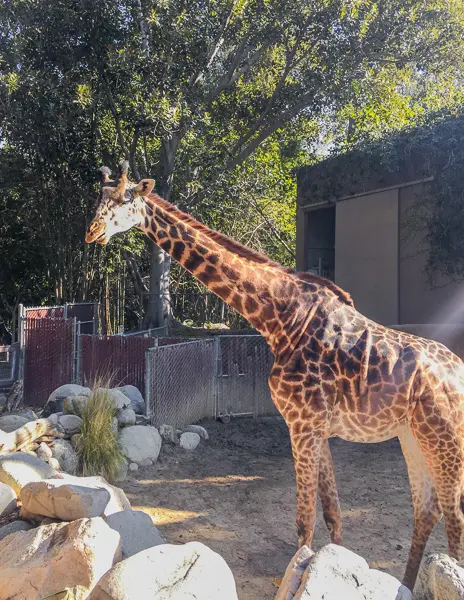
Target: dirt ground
point(236, 494)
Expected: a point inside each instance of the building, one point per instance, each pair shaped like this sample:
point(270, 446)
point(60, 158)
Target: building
point(354, 226)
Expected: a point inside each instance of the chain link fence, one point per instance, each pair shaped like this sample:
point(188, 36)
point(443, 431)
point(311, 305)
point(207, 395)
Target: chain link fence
point(222, 377)
point(180, 382)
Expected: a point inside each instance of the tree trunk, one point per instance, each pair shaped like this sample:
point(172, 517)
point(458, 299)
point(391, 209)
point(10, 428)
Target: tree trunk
point(158, 306)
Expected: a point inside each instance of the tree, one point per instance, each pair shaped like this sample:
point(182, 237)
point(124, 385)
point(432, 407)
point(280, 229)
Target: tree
point(218, 100)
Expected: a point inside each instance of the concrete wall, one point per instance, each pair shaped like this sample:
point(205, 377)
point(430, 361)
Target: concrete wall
point(366, 253)
point(450, 335)
point(419, 301)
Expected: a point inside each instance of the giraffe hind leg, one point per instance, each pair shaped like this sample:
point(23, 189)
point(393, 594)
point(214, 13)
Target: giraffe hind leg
point(425, 504)
point(444, 456)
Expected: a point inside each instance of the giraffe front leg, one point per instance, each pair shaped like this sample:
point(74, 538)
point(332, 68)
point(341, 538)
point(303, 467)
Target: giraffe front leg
point(329, 495)
point(306, 448)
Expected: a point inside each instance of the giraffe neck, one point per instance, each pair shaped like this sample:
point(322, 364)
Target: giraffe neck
point(250, 283)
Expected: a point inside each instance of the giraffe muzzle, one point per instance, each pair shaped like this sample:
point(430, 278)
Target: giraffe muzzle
point(96, 233)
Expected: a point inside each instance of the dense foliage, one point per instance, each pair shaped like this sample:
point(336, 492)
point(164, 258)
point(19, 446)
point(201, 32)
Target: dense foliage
point(218, 100)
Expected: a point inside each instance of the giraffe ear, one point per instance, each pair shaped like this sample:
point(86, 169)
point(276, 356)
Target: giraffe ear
point(144, 187)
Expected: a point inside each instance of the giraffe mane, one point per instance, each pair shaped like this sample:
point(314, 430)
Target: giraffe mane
point(245, 252)
point(224, 240)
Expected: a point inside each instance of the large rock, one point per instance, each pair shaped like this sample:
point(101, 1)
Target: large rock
point(334, 573)
point(69, 498)
point(198, 429)
point(44, 561)
point(7, 500)
point(139, 442)
point(137, 403)
point(168, 572)
point(44, 452)
point(68, 390)
point(118, 399)
point(440, 578)
point(126, 417)
point(75, 405)
point(169, 433)
point(13, 527)
point(18, 469)
point(189, 440)
point(10, 423)
point(71, 424)
point(136, 530)
point(67, 457)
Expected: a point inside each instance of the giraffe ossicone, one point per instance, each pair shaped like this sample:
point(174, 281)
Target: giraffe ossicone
point(335, 372)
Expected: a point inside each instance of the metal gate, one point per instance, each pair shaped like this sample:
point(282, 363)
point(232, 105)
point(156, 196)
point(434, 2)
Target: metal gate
point(244, 365)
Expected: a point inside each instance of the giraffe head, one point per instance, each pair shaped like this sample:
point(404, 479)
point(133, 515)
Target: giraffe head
point(120, 205)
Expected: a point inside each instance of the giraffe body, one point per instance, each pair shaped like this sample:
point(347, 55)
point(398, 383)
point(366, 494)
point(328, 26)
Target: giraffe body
point(336, 373)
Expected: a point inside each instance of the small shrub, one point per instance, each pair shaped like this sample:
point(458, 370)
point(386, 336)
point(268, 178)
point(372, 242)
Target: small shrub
point(98, 446)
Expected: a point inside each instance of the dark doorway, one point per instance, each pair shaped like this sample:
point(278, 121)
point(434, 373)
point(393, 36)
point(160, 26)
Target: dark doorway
point(320, 242)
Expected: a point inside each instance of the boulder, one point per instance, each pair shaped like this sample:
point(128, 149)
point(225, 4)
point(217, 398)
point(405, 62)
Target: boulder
point(7, 500)
point(75, 405)
point(126, 417)
point(68, 390)
point(66, 456)
point(71, 424)
point(335, 572)
point(293, 575)
point(69, 498)
point(118, 399)
point(139, 442)
point(440, 578)
point(44, 452)
point(189, 441)
point(169, 434)
point(198, 429)
point(168, 572)
point(18, 469)
point(137, 403)
point(54, 463)
point(13, 527)
point(10, 423)
point(44, 561)
point(136, 530)
point(28, 414)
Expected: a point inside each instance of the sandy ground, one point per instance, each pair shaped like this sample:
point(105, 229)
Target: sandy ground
point(236, 494)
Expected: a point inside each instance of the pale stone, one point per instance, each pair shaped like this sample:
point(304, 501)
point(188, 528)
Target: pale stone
point(7, 500)
point(126, 417)
point(169, 434)
point(18, 468)
point(44, 452)
point(133, 467)
point(137, 403)
point(71, 424)
point(440, 578)
point(13, 527)
point(169, 572)
point(198, 429)
point(68, 390)
point(136, 530)
point(66, 456)
point(189, 441)
point(10, 423)
point(70, 498)
point(118, 399)
point(55, 463)
point(75, 405)
point(139, 442)
point(73, 556)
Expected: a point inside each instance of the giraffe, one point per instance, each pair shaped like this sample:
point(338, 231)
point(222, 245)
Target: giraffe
point(336, 373)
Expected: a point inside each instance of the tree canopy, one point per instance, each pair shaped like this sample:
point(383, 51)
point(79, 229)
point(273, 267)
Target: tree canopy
point(218, 100)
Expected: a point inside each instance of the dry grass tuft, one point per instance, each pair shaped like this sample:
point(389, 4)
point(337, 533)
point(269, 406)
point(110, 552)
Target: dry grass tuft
point(98, 446)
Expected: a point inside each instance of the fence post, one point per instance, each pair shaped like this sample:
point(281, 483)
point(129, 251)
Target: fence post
point(216, 374)
point(147, 384)
point(21, 339)
point(78, 353)
point(74, 349)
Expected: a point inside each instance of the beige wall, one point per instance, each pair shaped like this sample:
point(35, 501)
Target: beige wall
point(419, 301)
point(366, 253)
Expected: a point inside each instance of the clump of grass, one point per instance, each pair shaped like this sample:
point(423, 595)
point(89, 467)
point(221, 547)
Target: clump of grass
point(98, 446)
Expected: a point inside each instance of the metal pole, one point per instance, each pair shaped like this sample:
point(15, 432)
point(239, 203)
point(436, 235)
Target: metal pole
point(147, 383)
point(216, 372)
point(78, 352)
point(74, 346)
